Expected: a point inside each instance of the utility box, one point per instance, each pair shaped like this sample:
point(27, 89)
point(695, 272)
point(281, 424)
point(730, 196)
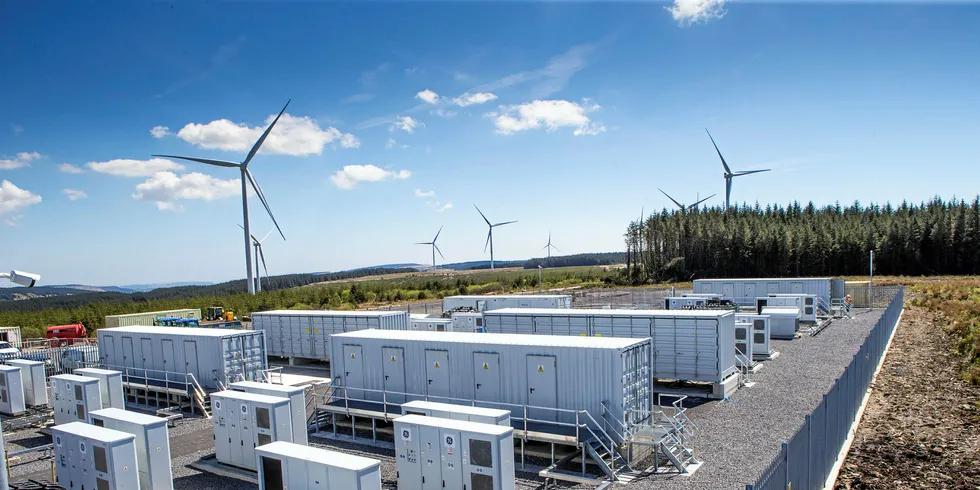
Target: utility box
point(297, 403)
point(808, 305)
point(110, 386)
point(152, 444)
point(427, 324)
point(35, 381)
point(743, 340)
point(441, 453)
point(784, 322)
point(468, 321)
point(761, 345)
point(468, 413)
point(74, 397)
point(289, 466)
point(11, 391)
point(243, 421)
point(684, 303)
point(94, 458)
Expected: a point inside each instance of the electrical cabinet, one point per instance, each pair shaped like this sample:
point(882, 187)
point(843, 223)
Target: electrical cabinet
point(468, 322)
point(243, 421)
point(761, 345)
point(110, 386)
point(427, 324)
point(94, 458)
point(468, 413)
point(783, 322)
point(297, 403)
point(152, 444)
point(288, 466)
point(782, 302)
point(11, 391)
point(35, 381)
point(73, 397)
point(743, 340)
point(435, 453)
point(683, 303)
point(807, 304)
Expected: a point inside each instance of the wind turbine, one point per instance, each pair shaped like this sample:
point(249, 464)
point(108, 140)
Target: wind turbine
point(435, 248)
point(683, 207)
point(259, 255)
point(549, 246)
point(490, 235)
point(729, 175)
point(246, 175)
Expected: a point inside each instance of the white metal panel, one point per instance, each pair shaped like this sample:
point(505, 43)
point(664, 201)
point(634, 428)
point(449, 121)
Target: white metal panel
point(110, 386)
point(783, 322)
point(244, 421)
point(761, 345)
point(93, 457)
point(152, 444)
point(35, 381)
point(74, 397)
point(12, 391)
point(459, 412)
point(311, 468)
point(297, 403)
point(306, 333)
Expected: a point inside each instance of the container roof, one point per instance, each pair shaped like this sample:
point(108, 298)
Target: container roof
point(75, 378)
point(494, 338)
point(369, 313)
point(127, 416)
point(152, 313)
point(601, 312)
point(104, 372)
point(252, 397)
point(770, 279)
point(318, 455)
point(92, 432)
point(267, 386)
point(23, 362)
point(460, 425)
point(178, 331)
point(509, 296)
point(449, 407)
point(9, 368)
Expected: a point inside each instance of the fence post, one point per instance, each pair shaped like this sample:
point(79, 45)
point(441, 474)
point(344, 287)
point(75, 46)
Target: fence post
point(809, 453)
point(789, 484)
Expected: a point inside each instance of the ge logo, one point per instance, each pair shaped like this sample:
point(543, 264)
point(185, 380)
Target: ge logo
point(244, 409)
point(406, 434)
point(449, 440)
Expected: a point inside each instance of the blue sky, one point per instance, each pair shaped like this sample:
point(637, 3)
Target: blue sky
point(565, 116)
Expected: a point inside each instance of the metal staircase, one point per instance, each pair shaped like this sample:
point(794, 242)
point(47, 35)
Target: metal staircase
point(667, 431)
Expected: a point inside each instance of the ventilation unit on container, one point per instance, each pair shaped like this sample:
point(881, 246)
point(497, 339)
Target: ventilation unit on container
point(433, 452)
point(761, 347)
point(94, 458)
point(427, 324)
point(683, 303)
point(743, 340)
point(110, 386)
point(465, 321)
point(783, 322)
point(808, 305)
point(11, 391)
point(297, 403)
point(35, 381)
point(243, 421)
point(468, 413)
point(73, 397)
point(152, 444)
point(285, 465)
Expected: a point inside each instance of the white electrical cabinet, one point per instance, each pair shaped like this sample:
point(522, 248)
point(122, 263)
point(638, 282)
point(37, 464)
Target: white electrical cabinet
point(73, 397)
point(784, 322)
point(430, 324)
point(11, 391)
point(808, 305)
point(683, 303)
point(243, 421)
point(743, 340)
point(297, 403)
point(468, 413)
point(152, 444)
point(110, 386)
point(94, 458)
point(288, 466)
point(780, 302)
point(35, 381)
point(761, 345)
point(467, 322)
point(436, 453)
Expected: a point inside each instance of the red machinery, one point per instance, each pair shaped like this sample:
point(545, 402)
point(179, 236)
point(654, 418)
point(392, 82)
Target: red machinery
point(67, 332)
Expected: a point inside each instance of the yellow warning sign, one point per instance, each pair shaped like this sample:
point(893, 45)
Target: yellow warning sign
point(486, 366)
point(436, 364)
point(393, 359)
point(540, 368)
point(598, 335)
point(352, 355)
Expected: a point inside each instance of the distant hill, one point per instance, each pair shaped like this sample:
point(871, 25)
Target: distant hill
point(150, 287)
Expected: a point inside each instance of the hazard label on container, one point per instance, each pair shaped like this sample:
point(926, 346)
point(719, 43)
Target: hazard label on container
point(540, 368)
point(393, 359)
point(486, 366)
point(352, 356)
point(435, 364)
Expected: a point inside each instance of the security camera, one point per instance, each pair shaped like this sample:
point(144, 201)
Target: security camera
point(25, 279)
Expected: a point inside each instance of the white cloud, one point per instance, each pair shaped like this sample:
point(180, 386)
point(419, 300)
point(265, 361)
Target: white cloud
point(70, 169)
point(390, 143)
point(439, 207)
point(74, 194)
point(22, 159)
point(17, 129)
point(549, 114)
point(428, 96)
point(134, 168)
point(443, 113)
point(553, 76)
point(13, 198)
point(358, 98)
point(372, 76)
point(350, 141)
point(297, 136)
point(460, 76)
point(687, 12)
point(421, 193)
point(160, 131)
point(350, 175)
point(477, 98)
point(165, 188)
point(406, 124)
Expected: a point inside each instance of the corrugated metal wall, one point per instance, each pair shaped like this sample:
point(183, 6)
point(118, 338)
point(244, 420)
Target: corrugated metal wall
point(745, 291)
point(112, 321)
point(306, 333)
point(496, 302)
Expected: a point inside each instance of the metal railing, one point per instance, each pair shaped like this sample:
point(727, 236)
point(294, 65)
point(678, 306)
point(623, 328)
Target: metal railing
point(57, 360)
point(807, 459)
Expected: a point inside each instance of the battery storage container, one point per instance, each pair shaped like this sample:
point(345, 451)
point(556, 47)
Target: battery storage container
point(152, 444)
point(35, 381)
point(297, 403)
point(110, 386)
point(94, 458)
point(306, 333)
point(744, 291)
point(496, 302)
point(285, 465)
point(74, 397)
point(243, 421)
point(468, 413)
point(12, 391)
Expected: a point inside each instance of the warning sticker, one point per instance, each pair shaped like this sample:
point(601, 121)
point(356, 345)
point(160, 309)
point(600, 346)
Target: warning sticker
point(486, 366)
point(435, 364)
point(393, 359)
point(540, 368)
point(352, 356)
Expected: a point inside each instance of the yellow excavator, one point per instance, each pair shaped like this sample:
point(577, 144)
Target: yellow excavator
point(218, 313)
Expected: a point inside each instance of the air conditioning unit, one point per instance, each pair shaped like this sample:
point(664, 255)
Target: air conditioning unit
point(243, 421)
point(110, 386)
point(152, 444)
point(761, 345)
point(468, 413)
point(35, 381)
point(11, 391)
point(94, 458)
point(806, 302)
point(743, 339)
point(297, 403)
point(73, 397)
point(285, 465)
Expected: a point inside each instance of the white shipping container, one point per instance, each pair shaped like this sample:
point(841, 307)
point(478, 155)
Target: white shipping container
point(152, 444)
point(306, 333)
point(146, 319)
point(11, 391)
point(12, 335)
point(745, 291)
point(95, 458)
point(290, 466)
point(431, 324)
point(493, 416)
point(500, 371)
point(783, 322)
point(297, 403)
point(35, 381)
point(167, 354)
point(761, 345)
point(496, 302)
point(243, 421)
point(110, 386)
point(73, 397)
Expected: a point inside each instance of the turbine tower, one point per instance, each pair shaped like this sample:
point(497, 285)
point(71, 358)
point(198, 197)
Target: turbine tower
point(729, 175)
point(257, 244)
point(246, 176)
point(683, 207)
point(490, 235)
point(435, 248)
point(549, 246)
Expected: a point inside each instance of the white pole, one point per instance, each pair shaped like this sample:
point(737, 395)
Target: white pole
point(871, 278)
point(248, 236)
point(540, 282)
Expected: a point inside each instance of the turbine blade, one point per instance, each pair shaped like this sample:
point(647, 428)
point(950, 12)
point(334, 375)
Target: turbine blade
point(440, 251)
point(699, 202)
point(208, 161)
point(423, 243)
point(262, 256)
point(437, 235)
point(488, 240)
point(747, 172)
point(258, 190)
point(255, 240)
point(481, 214)
point(556, 248)
point(723, 163)
point(255, 147)
point(671, 198)
point(546, 246)
point(266, 236)
point(504, 223)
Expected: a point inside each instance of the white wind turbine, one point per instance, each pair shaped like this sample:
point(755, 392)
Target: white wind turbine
point(549, 246)
point(490, 235)
point(435, 248)
point(259, 255)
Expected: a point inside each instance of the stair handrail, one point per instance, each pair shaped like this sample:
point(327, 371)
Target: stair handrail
point(199, 394)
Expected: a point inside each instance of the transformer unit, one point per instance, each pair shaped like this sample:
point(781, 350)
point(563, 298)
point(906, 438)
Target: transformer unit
point(243, 421)
point(152, 444)
point(11, 391)
point(35, 381)
point(496, 302)
point(808, 305)
point(784, 322)
point(427, 324)
point(297, 403)
point(761, 345)
point(110, 386)
point(468, 321)
point(285, 465)
point(94, 458)
point(74, 397)
point(683, 303)
point(441, 453)
point(481, 415)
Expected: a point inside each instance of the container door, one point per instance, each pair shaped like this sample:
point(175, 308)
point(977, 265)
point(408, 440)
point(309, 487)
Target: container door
point(481, 305)
point(128, 360)
point(728, 290)
point(706, 287)
point(190, 363)
point(146, 360)
point(486, 376)
point(271, 473)
point(353, 371)
point(432, 477)
point(772, 287)
point(394, 372)
point(108, 351)
point(748, 290)
point(437, 373)
point(246, 421)
point(542, 387)
point(451, 450)
point(168, 359)
point(796, 287)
